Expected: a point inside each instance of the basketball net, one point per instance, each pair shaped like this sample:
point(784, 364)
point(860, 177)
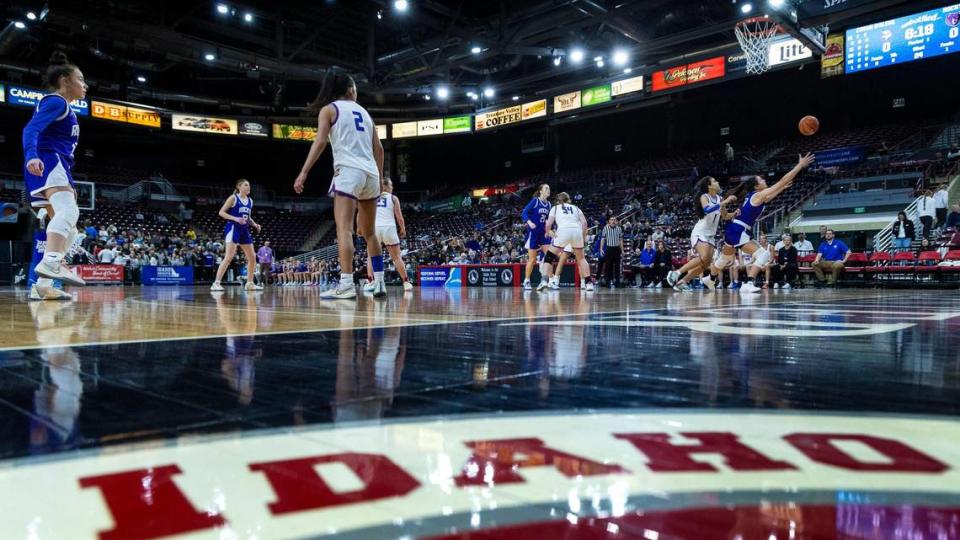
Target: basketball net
point(755, 35)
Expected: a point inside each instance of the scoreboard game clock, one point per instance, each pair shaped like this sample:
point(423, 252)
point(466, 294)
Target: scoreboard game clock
point(905, 39)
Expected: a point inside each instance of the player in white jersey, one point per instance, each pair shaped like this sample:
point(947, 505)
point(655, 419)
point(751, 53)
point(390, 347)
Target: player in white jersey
point(711, 209)
point(571, 231)
point(390, 229)
point(357, 175)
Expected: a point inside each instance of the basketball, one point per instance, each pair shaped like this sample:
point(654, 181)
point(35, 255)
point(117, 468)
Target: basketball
point(809, 125)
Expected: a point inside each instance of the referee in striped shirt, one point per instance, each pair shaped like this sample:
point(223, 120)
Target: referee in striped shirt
point(610, 245)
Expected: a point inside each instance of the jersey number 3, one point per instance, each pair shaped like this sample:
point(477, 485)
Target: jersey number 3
point(358, 120)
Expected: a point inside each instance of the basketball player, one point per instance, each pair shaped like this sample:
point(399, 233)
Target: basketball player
point(49, 141)
point(357, 176)
point(238, 211)
point(755, 195)
point(535, 217)
point(710, 209)
point(389, 223)
point(571, 231)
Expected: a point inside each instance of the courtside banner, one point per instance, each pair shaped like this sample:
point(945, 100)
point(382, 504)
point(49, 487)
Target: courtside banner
point(433, 276)
point(534, 109)
point(29, 97)
point(381, 132)
point(499, 117)
point(167, 275)
point(220, 126)
point(100, 273)
point(566, 102)
point(678, 76)
point(294, 133)
point(457, 124)
point(404, 130)
point(491, 275)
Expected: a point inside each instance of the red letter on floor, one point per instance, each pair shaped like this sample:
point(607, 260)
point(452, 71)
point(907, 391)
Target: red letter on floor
point(668, 457)
point(496, 462)
point(148, 504)
point(819, 447)
point(299, 487)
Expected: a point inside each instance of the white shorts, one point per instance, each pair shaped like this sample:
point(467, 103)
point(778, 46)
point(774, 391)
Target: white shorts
point(569, 237)
point(354, 183)
point(388, 236)
point(696, 238)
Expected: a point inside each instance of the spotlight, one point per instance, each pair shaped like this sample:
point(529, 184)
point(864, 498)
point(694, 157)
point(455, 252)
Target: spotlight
point(776, 3)
point(620, 57)
point(248, 17)
point(222, 9)
point(556, 61)
point(141, 78)
point(488, 92)
point(31, 15)
point(210, 57)
point(600, 63)
point(628, 70)
point(401, 5)
point(379, 15)
point(746, 8)
point(19, 25)
point(443, 92)
point(576, 55)
point(515, 98)
point(476, 49)
point(427, 97)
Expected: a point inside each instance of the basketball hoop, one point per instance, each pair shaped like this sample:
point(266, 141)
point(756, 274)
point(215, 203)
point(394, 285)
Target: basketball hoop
point(755, 35)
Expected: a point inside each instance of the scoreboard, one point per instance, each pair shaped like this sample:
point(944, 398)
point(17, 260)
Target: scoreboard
point(912, 37)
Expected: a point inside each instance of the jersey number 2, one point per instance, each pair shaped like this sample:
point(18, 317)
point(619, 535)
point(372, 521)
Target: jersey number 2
point(358, 120)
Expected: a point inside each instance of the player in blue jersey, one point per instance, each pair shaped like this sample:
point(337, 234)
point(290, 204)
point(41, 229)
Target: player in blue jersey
point(535, 218)
point(238, 211)
point(737, 235)
point(49, 140)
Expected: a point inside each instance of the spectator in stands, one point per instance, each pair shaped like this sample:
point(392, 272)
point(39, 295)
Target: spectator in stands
point(106, 255)
point(611, 242)
point(927, 207)
point(645, 266)
point(940, 204)
point(953, 218)
point(804, 246)
point(663, 263)
point(831, 256)
point(903, 232)
point(657, 235)
point(729, 153)
point(925, 245)
point(785, 268)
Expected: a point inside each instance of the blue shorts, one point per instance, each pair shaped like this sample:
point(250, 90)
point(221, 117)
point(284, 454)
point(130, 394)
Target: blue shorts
point(238, 234)
point(536, 239)
point(56, 173)
point(736, 235)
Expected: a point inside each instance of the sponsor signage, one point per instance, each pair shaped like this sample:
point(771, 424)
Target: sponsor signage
point(679, 76)
point(841, 156)
point(9, 212)
point(566, 102)
point(291, 132)
point(100, 273)
point(3, 97)
point(786, 51)
point(627, 86)
point(438, 276)
point(500, 117)
point(499, 275)
point(912, 37)
point(167, 275)
point(834, 476)
point(457, 124)
point(534, 109)
point(429, 127)
point(254, 129)
point(404, 130)
point(595, 95)
point(124, 113)
point(204, 124)
point(831, 63)
point(29, 97)
point(381, 132)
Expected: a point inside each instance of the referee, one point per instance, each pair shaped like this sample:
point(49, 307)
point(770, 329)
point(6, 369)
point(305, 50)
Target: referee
point(610, 243)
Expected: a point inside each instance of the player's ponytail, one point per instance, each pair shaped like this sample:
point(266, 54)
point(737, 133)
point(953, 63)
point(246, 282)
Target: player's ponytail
point(563, 198)
point(745, 187)
point(59, 67)
point(333, 86)
point(701, 188)
point(236, 187)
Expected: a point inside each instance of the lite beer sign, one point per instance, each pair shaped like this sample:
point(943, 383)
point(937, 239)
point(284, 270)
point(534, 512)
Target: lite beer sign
point(316, 481)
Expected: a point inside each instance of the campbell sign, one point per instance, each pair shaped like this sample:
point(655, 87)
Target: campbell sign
point(676, 77)
point(482, 473)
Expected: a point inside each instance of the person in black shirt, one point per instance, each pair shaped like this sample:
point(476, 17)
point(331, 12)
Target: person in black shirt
point(785, 269)
point(663, 263)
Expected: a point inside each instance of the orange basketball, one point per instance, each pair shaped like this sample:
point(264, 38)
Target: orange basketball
point(809, 125)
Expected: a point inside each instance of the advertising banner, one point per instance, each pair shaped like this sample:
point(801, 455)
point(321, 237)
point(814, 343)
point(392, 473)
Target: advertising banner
point(100, 273)
point(3, 94)
point(595, 95)
point(294, 133)
point(167, 275)
point(457, 124)
point(438, 276)
point(143, 117)
point(491, 275)
point(381, 132)
point(254, 129)
point(831, 63)
point(786, 51)
point(29, 97)
point(426, 128)
point(566, 102)
point(203, 124)
point(627, 86)
point(500, 117)
point(569, 276)
point(404, 130)
point(9, 212)
point(123, 113)
point(841, 156)
point(678, 76)
point(534, 109)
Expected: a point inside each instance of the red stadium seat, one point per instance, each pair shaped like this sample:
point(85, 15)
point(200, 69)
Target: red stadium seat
point(879, 261)
point(928, 261)
point(857, 262)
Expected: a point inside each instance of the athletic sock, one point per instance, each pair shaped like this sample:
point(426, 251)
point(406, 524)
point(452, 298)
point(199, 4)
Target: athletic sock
point(376, 262)
point(51, 257)
point(346, 280)
point(681, 276)
point(44, 282)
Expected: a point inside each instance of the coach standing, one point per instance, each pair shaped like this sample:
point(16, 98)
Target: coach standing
point(611, 240)
point(264, 260)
